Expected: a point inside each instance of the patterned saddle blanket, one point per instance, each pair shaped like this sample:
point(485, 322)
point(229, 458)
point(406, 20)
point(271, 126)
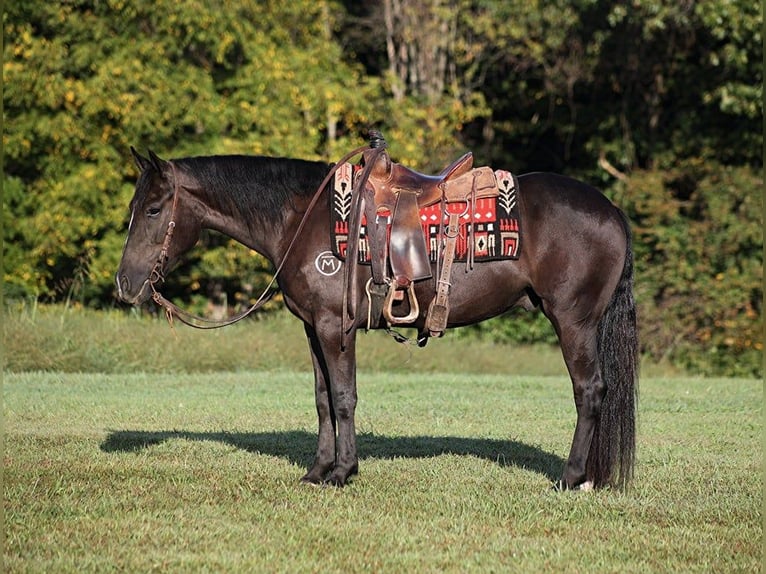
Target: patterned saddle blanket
point(491, 226)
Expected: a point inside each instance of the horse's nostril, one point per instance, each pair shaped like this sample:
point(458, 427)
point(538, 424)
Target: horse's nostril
point(124, 284)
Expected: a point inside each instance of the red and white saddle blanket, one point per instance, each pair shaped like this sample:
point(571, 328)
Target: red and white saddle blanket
point(496, 222)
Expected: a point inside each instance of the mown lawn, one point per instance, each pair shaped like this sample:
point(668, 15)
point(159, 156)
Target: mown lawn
point(199, 473)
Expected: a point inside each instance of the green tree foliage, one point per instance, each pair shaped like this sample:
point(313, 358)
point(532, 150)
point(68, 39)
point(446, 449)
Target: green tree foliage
point(659, 102)
point(698, 241)
point(639, 84)
point(85, 80)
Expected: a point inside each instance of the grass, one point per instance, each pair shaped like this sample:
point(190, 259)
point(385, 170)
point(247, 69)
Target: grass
point(190, 472)
point(58, 339)
point(130, 448)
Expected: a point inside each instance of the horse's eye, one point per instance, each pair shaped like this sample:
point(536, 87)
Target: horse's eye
point(153, 211)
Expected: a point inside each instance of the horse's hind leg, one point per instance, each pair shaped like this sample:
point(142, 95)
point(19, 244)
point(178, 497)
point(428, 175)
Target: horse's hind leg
point(579, 345)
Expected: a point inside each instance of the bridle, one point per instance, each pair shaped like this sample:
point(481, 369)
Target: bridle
point(157, 274)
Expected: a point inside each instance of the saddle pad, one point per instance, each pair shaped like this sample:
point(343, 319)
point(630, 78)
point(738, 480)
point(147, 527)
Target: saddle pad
point(496, 221)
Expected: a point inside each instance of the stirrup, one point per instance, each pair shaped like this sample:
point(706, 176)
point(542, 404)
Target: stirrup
point(388, 305)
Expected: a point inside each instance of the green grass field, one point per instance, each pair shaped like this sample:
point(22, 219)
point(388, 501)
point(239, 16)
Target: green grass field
point(82, 341)
point(171, 465)
point(192, 473)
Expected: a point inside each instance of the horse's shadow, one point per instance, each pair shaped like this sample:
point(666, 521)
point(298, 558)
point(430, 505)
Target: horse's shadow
point(298, 447)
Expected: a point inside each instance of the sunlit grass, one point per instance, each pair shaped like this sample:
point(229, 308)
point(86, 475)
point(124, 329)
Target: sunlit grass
point(199, 472)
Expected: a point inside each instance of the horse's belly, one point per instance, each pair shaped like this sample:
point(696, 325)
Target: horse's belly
point(485, 291)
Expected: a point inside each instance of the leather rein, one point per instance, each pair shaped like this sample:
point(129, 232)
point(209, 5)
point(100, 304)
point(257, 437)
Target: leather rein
point(157, 276)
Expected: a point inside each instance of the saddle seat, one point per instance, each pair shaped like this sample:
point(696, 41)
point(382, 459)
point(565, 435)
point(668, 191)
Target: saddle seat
point(389, 179)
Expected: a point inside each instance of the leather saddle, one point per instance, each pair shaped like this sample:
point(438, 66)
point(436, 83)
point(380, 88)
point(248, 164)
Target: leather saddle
point(389, 179)
point(390, 196)
point(399, 191)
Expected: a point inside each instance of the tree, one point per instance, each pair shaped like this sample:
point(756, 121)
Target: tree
point(85, 80)
point(659, 102)
point(698, 241)
point(418, 50)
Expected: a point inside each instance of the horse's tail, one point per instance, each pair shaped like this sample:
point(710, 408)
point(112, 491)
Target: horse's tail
point(614, 440)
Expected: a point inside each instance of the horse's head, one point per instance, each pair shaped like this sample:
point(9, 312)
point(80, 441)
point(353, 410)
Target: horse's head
point(162, 228)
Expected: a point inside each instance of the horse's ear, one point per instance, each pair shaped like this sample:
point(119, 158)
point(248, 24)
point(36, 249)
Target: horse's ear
point(140, 160)
point(156, 161)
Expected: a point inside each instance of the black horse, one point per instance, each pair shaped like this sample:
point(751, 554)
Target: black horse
point(576, 265)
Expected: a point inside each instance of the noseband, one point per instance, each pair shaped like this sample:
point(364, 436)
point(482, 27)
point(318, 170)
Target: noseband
point(157, 274)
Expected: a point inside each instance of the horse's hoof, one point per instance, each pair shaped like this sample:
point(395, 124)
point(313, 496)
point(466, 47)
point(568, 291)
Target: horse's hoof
point(335, 481)
point(561, 486)
point(586, 486)
point(311, 479)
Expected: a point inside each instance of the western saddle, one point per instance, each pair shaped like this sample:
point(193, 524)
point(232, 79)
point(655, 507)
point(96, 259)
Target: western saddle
point(390, 195)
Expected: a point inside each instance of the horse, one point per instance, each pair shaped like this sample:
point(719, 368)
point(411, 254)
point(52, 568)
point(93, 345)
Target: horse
point(575, 265)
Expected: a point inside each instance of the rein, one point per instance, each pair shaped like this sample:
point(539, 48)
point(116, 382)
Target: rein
point(156, 275)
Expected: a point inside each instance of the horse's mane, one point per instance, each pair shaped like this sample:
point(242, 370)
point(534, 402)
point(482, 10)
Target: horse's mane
point(256, 187)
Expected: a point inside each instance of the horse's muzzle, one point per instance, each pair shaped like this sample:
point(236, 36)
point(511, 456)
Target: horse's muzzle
point(127, 295)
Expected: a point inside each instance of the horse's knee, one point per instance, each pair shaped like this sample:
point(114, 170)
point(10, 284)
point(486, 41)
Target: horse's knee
point(345, 404)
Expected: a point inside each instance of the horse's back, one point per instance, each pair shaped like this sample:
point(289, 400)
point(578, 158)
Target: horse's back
point(553, 205)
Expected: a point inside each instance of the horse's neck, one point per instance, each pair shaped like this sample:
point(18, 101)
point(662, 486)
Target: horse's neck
point(268, 236)
point(228, 224)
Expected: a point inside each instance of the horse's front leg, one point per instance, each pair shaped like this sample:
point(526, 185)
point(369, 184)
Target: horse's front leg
point(335, 391)
point(325, 456)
